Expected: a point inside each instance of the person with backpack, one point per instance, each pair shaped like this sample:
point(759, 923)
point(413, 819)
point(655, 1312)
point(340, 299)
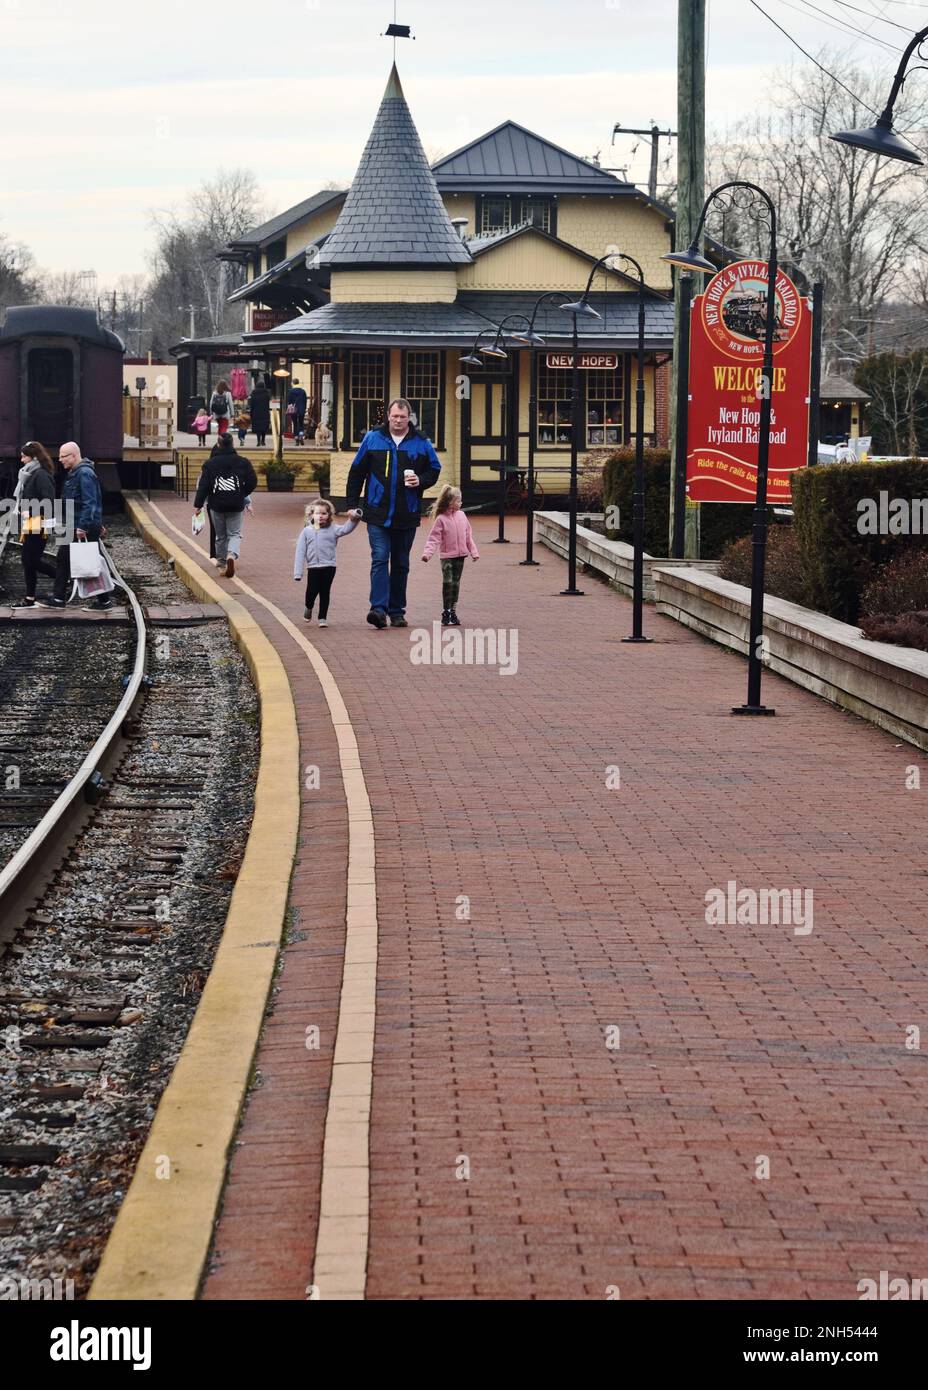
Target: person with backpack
point(221, 407)
point(82, 497)
point(226, 481)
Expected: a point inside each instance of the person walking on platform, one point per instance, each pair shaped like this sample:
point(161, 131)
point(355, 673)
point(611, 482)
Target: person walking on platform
point(259, 407)
point(221, 406)
point(35, 497)
point(297, 398)
point(226, 481)
point(315, 549)
point(394, 465)
point(452, 536)
point(83, 494)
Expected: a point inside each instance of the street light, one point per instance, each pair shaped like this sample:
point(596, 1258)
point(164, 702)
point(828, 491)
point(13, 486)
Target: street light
point(532, 340)
point(282, 374)
point(637, 634)
point(881, 138)
point(497, 352)
point(692, 259)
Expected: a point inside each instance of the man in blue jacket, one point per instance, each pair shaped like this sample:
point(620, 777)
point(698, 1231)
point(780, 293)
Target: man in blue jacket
point(82, 490)
point(395, 464)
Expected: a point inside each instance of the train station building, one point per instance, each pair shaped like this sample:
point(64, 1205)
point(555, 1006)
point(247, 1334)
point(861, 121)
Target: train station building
point(380, 290)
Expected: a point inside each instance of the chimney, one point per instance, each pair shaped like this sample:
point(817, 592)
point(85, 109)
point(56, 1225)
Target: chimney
point(459, 223)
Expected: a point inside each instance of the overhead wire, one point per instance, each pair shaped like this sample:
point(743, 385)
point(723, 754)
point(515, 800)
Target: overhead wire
point(805, 52)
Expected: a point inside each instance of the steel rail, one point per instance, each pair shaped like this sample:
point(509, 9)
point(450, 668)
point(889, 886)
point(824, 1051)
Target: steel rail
point(23, 862)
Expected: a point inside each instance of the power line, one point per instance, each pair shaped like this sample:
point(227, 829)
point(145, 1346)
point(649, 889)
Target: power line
point(808, 55)
point(845, 4)
point(834, 21)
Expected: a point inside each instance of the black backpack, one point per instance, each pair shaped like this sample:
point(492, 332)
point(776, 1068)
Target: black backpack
point(217, 406)
point(227, 493)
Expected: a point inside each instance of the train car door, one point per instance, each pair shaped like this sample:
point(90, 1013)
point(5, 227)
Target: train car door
point(50, 395)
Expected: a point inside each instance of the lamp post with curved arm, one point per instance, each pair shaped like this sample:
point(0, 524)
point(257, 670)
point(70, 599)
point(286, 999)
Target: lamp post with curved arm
point(497, 350)
point(692, 259)
point(881, 138)
point(532, 340)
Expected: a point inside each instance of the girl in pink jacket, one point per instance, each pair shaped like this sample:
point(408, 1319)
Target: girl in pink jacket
point(452, 537)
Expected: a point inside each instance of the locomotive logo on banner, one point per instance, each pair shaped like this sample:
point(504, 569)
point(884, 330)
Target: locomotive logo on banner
point(726, 355)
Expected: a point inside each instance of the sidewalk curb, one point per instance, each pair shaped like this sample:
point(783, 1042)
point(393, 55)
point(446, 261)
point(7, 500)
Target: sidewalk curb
point(161, 1238)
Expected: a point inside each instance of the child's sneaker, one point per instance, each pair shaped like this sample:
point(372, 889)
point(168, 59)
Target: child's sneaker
point(453, 619)
point(445, 617)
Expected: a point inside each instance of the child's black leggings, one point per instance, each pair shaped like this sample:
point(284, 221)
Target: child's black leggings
point(451, 571)
point(318, 586)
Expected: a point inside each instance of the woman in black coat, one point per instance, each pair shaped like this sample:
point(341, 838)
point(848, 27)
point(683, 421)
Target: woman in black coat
point(35, 486)
point(260, 409)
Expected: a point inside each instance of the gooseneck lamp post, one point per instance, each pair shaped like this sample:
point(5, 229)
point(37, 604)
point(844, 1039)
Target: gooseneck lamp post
point(881, 138)
point(532, 340)
point(578, 308)
point(637, 634)
point(692, 259)
point(498, 351)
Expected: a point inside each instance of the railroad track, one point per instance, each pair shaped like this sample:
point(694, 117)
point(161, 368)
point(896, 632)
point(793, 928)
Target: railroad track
point(100, 972)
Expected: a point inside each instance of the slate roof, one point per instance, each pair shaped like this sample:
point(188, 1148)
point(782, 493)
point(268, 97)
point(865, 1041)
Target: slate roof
point(515, 159)
point(380, 325)
point(393, 214)
point(838, 388)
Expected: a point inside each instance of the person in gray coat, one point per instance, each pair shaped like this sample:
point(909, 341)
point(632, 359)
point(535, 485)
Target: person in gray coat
point(315, 549)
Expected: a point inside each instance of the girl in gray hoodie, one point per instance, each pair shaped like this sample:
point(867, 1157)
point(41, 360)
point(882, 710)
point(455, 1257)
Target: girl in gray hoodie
point(315, 549)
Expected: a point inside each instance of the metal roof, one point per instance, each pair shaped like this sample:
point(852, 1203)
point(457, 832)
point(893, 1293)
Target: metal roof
point(393, 214)
point(57, 320)
point(515, 158)
point(384, 325)
point(277, 226)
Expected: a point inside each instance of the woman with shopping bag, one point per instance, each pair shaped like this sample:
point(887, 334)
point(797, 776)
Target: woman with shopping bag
point(35, 496)
point(83, 502)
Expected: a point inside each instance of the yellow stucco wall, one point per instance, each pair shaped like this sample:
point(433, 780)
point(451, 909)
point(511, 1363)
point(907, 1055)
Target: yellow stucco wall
point(394, 286)
point(596, 224)
point(312, 227)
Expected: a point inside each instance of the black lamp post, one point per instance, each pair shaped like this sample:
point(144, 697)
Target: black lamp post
point(692, 259)
point(495, 350)
point(533, 340)
point(881, 138)
point(637, 634)
point(577, 307)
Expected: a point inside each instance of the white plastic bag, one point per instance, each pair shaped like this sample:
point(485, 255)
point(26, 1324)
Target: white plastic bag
point(86, 560)
point(199, 521)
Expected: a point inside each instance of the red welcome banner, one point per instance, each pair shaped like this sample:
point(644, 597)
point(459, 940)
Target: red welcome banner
point(726, 356)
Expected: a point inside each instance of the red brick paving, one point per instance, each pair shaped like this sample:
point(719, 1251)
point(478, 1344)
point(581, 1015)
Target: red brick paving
point(592, 1167)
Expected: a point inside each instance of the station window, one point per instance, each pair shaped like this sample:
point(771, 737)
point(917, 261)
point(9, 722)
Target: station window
point(500, 213)
point(554, 422)
point(605, 392)
point(366, 393)
point(422, 387)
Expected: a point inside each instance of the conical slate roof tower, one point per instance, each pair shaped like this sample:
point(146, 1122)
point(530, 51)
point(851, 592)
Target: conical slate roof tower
point(393, 214)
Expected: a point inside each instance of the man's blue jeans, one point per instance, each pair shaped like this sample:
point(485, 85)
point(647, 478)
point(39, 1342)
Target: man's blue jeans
point(390, 567)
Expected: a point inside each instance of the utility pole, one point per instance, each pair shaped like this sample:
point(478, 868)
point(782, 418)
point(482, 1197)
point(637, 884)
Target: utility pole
point(655, 137)
point(691, 191)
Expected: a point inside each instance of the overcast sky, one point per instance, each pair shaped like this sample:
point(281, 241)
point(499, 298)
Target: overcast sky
point(111, 108)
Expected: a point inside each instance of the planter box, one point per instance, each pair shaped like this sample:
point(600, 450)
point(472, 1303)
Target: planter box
point(279, 482)
point(887, 685)
point(612, 559)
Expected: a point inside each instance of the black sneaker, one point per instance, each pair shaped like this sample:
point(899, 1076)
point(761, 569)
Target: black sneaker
point(453, 619)
point(102, 603)
point(445, 617)
point(377, 617)
point(25, 603)
point(398, 621)
point(53, 603)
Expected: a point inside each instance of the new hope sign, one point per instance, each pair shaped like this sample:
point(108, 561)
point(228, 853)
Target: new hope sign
point(726, 353)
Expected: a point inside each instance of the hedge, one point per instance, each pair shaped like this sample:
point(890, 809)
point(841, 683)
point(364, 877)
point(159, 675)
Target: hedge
point(720, 522)
point(838, 558)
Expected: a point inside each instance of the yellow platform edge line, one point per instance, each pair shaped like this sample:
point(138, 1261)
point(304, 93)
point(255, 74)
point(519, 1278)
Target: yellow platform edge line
point(160, 1241)
point(342, 1241)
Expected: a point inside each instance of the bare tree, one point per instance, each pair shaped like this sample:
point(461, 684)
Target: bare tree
point(187, 271)
point(857, 223)
point(18, 282)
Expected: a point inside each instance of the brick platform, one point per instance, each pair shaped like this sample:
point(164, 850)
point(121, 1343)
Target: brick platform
point(590, 1166)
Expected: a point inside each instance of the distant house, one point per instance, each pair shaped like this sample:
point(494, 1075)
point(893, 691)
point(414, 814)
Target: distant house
point(842, 410)
point(379, 290)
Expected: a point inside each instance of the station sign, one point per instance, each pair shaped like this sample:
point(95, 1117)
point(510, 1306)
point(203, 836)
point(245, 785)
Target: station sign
point(589, 361)
point(726, 356)
point(263, 320)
